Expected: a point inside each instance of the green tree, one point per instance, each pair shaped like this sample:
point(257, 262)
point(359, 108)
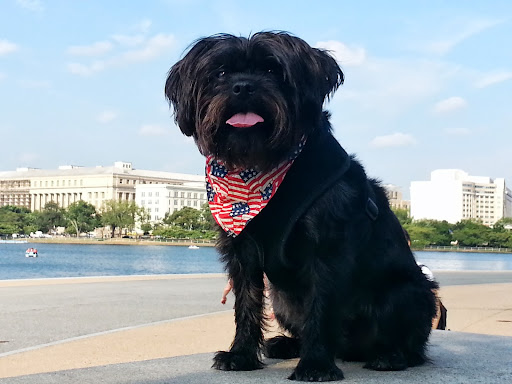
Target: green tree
point(10, 221)
point(472, 233)
point(186, 218)
point(122, 214)
point(15, 220)
point(82, 217)
point(146, 228)
point(50, 217)
point(402, 215)
point(207, 219)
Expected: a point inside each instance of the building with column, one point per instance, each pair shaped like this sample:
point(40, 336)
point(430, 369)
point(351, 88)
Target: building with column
point(34, 188)
point(453, 195)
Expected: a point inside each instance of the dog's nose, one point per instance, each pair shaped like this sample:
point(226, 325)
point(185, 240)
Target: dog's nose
point(243, 88)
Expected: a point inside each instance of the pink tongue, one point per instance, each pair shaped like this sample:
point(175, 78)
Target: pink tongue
point(241, 120)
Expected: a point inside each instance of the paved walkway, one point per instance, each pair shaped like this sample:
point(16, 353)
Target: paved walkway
point(165, 329)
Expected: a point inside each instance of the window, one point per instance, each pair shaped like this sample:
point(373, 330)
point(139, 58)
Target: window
point(143, 202)
point(175, 202)
point(150, 194)
point(157, 194)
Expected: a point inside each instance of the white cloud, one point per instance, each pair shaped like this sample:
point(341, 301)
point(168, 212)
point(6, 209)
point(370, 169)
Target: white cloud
point(397, 139)
point(128, 40)
point(34, 84)
point(7, 47)
point(143, 26)
point(152, 49)
point(494, 78)
point(471, 28)
point(107, 116)
point(95, 49)
point(458, 131)
point(153, 130)
point(451, 104)
point(345, 55)
point(86, 70)
point(31, 5)
point(149, 50)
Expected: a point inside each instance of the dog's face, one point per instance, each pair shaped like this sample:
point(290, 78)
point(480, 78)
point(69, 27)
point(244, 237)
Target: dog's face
point(249, 101)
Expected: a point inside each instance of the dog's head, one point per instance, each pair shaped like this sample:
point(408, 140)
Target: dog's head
point(249, 101)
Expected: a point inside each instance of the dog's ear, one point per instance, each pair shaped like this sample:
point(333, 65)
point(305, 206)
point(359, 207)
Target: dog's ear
point(182, 84)
point(313, 72)
point(330, 75)
point(178, 93)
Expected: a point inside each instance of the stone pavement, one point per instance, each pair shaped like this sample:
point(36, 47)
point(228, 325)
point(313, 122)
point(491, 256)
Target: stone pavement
point(165, 329)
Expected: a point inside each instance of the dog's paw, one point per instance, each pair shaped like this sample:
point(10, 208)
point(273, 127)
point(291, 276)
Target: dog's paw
point(395, 361)
point(233, 361)
point(282, 347)
point(316, 372)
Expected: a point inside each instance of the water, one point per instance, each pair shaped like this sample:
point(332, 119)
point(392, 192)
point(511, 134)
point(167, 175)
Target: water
point(465, 261)
point(76, 260)
point(65, 260)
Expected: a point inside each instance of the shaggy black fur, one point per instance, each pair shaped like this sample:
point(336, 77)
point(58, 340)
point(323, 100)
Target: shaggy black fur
point(344, 282)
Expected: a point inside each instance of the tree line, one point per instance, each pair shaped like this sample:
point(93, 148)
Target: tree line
point(82, 217)
point(79, 217)
point(465, 233)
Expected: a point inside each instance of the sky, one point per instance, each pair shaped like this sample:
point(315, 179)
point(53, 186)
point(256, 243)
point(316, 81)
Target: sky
point(428, 84)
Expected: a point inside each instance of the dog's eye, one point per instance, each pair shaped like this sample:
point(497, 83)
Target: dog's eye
point(221, 74)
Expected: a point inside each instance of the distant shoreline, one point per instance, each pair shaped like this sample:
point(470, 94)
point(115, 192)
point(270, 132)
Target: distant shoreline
point(117, 241)
point(208, 243)
point(464, 249)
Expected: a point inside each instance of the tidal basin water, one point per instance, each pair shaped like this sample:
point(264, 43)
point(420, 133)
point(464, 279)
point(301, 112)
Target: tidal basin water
point(65, 260)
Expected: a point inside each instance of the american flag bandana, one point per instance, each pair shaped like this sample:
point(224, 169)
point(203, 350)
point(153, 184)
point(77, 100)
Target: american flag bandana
point(236, 197)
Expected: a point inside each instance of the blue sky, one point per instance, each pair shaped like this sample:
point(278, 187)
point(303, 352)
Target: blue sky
point(428, 83)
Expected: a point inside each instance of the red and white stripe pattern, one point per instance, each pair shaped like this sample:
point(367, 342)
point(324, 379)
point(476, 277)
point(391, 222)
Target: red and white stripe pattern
point(236, 197)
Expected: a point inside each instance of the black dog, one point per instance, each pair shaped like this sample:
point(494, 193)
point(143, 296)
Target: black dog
point(344, 282)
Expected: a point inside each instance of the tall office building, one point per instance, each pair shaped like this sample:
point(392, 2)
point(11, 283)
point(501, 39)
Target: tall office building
point(453, 195)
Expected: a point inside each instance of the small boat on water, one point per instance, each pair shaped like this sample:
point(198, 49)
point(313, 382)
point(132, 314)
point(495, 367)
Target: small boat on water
point(31, 252)
point(193, 247)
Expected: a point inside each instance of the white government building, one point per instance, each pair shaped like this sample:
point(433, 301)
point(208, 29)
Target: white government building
point(453, 195)
point(33, 188)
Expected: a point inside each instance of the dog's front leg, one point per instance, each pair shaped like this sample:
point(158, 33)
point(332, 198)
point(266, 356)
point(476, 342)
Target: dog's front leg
point(317, 354)
point(248, 288)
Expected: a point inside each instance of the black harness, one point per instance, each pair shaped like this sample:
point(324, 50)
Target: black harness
point(320, 165)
